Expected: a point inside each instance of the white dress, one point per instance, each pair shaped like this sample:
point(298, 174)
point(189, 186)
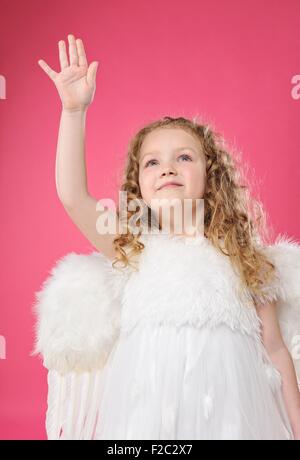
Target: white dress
point(187, 361)
point(181, 371)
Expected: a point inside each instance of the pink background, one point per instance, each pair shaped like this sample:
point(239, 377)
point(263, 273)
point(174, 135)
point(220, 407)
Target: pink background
point(229, 61)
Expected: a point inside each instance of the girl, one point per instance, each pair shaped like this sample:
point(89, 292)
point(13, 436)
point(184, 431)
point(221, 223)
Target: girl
point(196, 335)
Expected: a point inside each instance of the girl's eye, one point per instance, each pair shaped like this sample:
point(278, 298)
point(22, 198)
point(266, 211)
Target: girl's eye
point(183, 155)
point(148, 162)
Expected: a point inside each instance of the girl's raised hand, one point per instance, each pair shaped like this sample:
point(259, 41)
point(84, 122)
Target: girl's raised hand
point(76, 82)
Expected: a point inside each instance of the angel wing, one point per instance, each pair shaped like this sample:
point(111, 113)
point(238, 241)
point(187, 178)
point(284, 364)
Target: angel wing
point(73, 404)
point(285, 254)
point(78, 311)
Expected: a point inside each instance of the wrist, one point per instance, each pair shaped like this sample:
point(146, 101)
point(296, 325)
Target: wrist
point(79, 110)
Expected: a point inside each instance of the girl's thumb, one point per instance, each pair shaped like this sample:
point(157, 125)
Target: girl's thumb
point(91, 73)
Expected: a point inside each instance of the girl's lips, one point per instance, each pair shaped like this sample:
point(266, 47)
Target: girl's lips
point(170, 185)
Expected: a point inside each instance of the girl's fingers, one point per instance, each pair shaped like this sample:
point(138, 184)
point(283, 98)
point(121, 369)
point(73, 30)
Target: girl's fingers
point(92, 72)
point(52, 74)
point(72, 50)
point(63, 57)
point(81, 53)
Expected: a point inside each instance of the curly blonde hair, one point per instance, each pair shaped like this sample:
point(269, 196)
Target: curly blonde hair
point(233, 219)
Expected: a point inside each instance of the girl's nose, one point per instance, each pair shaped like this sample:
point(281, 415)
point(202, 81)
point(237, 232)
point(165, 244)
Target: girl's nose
point(168, 169)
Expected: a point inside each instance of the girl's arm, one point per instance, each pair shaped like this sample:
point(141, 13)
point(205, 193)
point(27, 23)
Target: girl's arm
point(76, 84)
point(282, 360)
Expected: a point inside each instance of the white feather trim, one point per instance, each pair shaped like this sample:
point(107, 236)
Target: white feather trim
point(78, 313)
point(81, 305)
point(180, 283)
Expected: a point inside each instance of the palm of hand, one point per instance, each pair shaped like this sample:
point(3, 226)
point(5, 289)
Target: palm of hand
point(76, 82)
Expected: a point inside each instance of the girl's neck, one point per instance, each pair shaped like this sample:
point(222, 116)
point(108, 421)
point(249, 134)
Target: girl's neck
point(187, 231)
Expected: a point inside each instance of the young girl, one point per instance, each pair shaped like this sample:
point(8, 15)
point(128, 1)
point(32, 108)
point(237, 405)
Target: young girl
point(195, 336)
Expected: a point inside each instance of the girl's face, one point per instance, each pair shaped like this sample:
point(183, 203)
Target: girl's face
point(171, 154)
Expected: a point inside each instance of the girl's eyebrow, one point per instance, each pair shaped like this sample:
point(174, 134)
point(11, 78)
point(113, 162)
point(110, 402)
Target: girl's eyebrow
point(175, 150)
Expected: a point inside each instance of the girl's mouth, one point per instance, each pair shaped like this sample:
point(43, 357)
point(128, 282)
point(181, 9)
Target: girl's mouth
point(170, 186)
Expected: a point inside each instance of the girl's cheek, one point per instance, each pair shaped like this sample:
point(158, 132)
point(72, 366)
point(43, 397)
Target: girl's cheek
point(145, 175)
